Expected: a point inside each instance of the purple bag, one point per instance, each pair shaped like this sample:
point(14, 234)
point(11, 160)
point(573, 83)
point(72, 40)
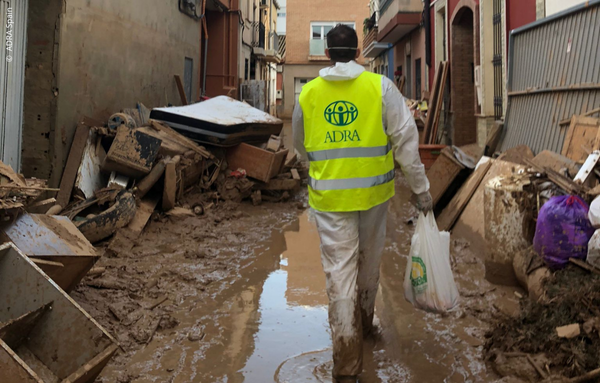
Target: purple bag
point(563, 231)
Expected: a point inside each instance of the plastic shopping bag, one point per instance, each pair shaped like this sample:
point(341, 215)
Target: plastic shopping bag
point(563, 231)
point(593, 255)
point(429, 283)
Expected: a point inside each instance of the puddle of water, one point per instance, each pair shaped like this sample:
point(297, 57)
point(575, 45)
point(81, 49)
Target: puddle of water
point(292, 308)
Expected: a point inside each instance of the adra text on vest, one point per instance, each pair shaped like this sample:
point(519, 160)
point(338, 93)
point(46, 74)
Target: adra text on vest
point(341, 136)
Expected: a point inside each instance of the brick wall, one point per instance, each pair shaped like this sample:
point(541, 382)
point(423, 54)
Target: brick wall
point(463, 87)
point(300, 13)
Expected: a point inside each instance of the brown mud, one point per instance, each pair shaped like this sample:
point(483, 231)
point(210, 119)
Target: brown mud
point(572, 297)
point(245, 302)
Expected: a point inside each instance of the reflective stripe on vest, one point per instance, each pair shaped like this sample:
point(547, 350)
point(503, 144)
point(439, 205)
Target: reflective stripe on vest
point(351, 183)
point(334, 154)
point(351, 158)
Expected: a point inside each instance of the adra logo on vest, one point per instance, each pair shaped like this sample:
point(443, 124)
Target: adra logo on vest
point(341, 113)
point(341, 136)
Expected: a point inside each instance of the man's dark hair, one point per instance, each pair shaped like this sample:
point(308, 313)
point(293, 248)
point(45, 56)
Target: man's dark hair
point(342, 42)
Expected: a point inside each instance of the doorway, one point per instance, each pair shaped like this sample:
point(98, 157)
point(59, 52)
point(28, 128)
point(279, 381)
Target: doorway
point(13, 37)
point(463, 78)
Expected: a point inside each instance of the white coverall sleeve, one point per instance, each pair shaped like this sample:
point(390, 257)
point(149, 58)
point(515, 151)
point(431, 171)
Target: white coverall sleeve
point(298, 132)
point(402, 130)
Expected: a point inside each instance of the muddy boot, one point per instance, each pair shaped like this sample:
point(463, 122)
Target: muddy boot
point(345, 379)
point(370, 327)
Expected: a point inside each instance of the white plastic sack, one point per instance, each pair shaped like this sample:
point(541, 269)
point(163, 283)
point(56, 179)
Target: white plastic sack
point(429, 283)
point(593, 256)
point(594, 213)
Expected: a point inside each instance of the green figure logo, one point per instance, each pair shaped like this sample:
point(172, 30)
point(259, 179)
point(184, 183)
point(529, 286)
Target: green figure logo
point(341, 113)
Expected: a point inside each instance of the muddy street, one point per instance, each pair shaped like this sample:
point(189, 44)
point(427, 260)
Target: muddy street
point(241, 296)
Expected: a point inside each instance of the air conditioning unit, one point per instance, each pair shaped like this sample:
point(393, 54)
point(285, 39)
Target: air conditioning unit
point(280, 94)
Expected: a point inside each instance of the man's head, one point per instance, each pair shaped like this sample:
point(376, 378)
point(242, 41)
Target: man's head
point(342, 44)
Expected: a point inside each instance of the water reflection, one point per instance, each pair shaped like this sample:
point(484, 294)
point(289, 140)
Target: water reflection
point(292, 307)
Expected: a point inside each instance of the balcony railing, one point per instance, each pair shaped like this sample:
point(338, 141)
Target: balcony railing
point(275, 42)
point(370, 38)
point(258, 35)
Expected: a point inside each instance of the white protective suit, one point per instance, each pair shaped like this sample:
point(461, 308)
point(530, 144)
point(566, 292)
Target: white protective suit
point(352, 242)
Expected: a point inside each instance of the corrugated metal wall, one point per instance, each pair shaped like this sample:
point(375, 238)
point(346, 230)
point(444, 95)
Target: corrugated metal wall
point(12, 78)
point(554, 73)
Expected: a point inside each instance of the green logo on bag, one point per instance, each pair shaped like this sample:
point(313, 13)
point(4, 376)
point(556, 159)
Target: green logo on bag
point(341, 113)
point(418, 275)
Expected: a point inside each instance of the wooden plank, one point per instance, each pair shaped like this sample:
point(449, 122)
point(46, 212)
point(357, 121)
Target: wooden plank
point(583, 133)
point(493, 139)
point(44, 262)
point(143, 214)
point(432, 102)
point(443, 172)
point(451, 213)
point(165, 132)
point(295, 174)
point(73, 161)
point(586, 114)
point(170, 188)
point(184, 100)
point(438, 106)
point(41, 207)
point(585, 265)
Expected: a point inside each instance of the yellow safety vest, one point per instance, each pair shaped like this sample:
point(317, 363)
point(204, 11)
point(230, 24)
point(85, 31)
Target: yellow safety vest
point(351, 158)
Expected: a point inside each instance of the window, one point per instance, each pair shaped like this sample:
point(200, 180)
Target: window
point(318, 36)
point(281, 14)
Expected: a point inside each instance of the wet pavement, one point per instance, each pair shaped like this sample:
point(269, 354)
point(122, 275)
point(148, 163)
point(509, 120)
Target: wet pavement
point(269, 324)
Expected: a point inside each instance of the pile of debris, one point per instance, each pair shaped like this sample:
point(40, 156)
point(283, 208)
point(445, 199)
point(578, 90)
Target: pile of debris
point(529, 216)
point(117, 174)
point(18, 193)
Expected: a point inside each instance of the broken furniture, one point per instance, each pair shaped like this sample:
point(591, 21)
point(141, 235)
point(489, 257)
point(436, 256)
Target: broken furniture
point(582, 138)
point(68, 255)
point(259, 163)
point(442, 174)
point(132, 153)
point(17, 192)
point(220, 121)
point(45, 337)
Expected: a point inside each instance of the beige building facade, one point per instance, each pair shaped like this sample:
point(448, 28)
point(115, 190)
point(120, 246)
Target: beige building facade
point(308, 22)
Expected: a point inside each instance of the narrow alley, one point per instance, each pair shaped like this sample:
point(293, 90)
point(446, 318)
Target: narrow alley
point(260, 314)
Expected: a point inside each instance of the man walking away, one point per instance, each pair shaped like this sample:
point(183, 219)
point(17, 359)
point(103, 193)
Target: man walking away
point(350, 124)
